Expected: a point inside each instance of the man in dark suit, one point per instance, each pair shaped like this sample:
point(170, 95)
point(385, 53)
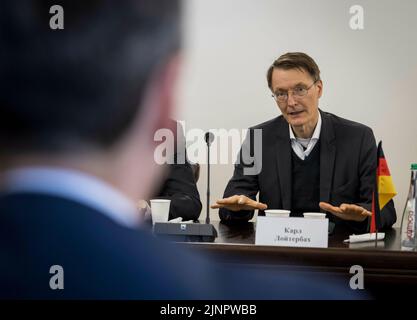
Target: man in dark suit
point(179, 184)
point(309, 160)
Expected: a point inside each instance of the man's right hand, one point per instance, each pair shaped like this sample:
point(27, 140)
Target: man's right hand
point(237, 203)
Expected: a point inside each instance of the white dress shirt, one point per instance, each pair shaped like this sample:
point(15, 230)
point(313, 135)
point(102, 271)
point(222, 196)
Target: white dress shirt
point(303, 147)
point(73, 185)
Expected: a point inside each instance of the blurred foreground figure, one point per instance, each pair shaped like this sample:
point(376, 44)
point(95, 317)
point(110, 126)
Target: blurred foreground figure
point(78, 109)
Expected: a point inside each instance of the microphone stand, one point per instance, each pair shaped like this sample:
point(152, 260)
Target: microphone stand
point(208, 180)
point(193, 232)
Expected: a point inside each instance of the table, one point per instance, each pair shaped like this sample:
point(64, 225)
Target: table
point(387, 269)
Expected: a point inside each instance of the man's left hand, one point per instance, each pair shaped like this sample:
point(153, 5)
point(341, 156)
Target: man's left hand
point(346, 211)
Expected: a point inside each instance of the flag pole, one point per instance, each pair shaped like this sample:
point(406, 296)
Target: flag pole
point(382, 179)
point(375, 197)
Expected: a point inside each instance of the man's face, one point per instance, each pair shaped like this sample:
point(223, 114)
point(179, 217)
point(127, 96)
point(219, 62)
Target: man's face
point(299, 111)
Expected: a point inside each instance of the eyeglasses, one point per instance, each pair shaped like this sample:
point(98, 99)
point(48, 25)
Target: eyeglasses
point(297, 92)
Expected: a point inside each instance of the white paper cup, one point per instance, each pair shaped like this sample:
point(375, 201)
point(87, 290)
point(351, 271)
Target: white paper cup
point(277, 213)
point(160, 210)
point(314, 215)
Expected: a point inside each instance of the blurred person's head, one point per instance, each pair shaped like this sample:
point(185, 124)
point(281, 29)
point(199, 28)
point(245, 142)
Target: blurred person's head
point(92, 95)
point(294, 79)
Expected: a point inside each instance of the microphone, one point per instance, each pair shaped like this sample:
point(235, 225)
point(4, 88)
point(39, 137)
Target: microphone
point(209, 138)
point(191, 232)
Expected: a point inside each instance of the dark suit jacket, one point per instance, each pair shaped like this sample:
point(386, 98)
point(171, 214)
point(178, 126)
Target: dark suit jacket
point(104, 260)
point(101, 259)
point(347, 169)
point(180, 185)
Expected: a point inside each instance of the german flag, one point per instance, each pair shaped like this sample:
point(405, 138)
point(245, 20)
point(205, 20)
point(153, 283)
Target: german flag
point(384, 188)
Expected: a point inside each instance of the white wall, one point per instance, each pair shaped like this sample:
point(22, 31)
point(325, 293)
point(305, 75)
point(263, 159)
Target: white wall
point(369, 75)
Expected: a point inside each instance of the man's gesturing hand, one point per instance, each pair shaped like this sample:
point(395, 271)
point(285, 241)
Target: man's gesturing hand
point(237, 203)
point(351, 212)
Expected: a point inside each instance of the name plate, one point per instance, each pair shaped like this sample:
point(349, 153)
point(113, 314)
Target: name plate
point(292, 232)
